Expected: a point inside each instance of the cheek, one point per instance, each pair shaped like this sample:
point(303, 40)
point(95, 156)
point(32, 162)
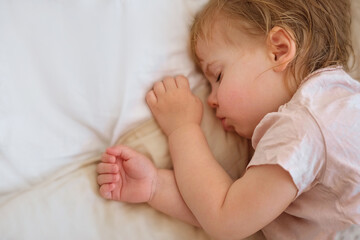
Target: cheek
point(239, 104)
point(231, 98)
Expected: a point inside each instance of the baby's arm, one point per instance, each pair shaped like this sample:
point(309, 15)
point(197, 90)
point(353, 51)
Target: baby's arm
point(125, 175)
point(225, 209)
point(168, 199)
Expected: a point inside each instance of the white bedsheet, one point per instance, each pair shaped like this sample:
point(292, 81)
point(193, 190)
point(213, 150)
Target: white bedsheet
point(73, 76)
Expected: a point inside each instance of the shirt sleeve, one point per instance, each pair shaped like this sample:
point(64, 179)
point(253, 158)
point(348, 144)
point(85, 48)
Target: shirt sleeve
point(293, 141)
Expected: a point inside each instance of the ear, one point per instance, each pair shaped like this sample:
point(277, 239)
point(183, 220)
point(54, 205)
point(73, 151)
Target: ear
point(281, 48)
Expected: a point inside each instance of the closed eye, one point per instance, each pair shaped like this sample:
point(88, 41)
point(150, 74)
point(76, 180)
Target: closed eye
point(218, 78)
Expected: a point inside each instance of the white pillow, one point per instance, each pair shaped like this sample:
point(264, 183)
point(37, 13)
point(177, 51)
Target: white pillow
point(73, 77)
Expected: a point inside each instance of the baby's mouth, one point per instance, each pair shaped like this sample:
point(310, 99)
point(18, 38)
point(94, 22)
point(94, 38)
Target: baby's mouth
point(225, 126)
point(223, 123)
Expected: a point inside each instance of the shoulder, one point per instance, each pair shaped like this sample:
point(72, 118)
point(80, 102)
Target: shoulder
point(326, 86)
point(332, 98)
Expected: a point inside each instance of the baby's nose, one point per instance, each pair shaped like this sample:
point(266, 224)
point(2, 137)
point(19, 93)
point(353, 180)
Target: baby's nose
point(211, 100)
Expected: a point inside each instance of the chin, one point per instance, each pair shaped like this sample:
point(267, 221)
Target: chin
point(243, 134)
point(228, 129)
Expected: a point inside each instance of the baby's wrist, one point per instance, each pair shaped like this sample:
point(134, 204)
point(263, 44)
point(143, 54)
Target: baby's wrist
point(184, 128)
point(154, 187)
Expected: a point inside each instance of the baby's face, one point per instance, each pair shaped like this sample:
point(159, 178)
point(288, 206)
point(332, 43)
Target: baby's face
point(244, 86)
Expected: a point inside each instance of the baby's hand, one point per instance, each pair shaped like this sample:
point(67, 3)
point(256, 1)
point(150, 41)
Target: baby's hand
point(173, 105)
point(126, 175)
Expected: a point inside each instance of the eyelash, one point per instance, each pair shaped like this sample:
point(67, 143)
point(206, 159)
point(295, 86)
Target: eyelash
point(218, 78)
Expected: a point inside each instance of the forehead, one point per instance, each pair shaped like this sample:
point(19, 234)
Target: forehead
point(224, 34)
point(223, 37)
point(208, 52)
point(214, 37)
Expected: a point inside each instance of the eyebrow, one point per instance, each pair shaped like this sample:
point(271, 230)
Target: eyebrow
point(207, 69)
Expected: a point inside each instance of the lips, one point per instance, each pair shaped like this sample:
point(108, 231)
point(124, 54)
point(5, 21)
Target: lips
point(223, 122)
point(225, 126)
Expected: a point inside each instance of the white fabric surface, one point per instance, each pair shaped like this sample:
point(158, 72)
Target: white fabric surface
point(73, 76)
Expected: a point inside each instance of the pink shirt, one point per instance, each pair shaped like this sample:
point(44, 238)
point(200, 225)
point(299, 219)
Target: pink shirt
point(316, 138)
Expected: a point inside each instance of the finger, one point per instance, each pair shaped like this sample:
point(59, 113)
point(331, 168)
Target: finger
point(105, 190)
point(108, 158)
point(151, 98)
point(115, 150)
point(121, 151)
point(169, 83)
point(107, 168)
point(159, 88)
point(182, 82)
point(107, 178)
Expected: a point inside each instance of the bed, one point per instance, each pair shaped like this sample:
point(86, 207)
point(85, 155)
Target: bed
point(73, 76)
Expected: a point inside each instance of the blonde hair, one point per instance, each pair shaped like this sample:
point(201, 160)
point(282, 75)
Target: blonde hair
point(320, 28)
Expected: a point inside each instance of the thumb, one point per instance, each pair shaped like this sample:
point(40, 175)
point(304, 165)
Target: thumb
point(121, 151)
